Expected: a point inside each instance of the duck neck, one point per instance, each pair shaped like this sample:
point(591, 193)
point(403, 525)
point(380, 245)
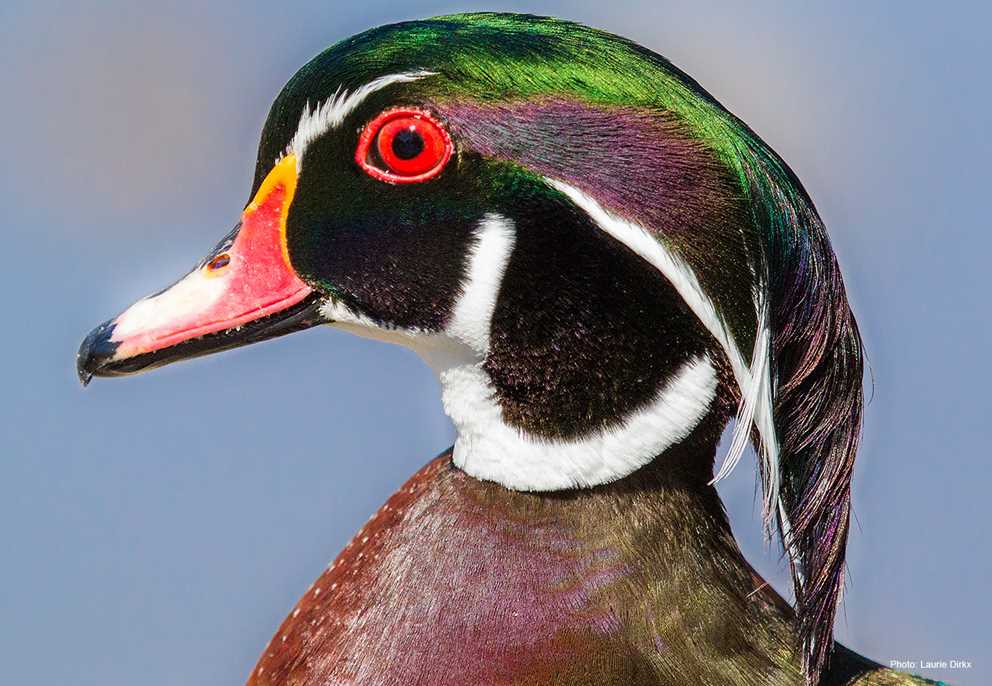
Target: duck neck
point(645, 567)
point(637, 581)
point(647, 561)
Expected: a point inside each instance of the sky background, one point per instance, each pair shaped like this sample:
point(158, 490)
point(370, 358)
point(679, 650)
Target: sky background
point(157, 529)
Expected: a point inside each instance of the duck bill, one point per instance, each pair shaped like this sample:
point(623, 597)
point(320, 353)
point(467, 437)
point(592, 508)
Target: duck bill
point(243, 292)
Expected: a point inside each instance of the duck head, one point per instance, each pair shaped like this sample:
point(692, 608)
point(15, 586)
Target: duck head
point(592, 253)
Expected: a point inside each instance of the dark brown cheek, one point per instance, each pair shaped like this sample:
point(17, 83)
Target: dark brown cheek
point(396, 254)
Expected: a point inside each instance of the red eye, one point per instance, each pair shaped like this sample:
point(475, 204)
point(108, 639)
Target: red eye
point(410, 145)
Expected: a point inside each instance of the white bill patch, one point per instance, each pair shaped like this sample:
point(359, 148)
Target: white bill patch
point(188, 297)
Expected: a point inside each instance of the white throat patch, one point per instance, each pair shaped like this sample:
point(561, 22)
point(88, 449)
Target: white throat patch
point(489, 448)
point(486, 446)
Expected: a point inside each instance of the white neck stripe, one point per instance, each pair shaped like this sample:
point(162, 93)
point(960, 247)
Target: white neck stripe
point(489, 448)
point(756, 403)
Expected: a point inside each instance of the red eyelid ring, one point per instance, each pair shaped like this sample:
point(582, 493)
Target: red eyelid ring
point(437, 145)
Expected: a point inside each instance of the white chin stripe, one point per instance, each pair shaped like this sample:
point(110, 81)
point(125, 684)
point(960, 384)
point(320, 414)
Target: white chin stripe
point(489, 448)
point(332, 112)
point(473, 315)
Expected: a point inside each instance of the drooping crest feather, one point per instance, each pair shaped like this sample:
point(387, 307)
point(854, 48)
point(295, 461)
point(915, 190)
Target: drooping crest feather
point(816, 366)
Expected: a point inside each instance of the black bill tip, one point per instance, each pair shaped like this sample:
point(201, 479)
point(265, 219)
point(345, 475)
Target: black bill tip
point(95, 352)
point(98, 355)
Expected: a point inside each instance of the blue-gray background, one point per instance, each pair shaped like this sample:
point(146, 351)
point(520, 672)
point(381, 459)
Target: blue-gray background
point(155, 530)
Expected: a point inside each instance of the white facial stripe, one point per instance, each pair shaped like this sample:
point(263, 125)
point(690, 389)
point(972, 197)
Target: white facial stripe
point(328, 115)
point(487, 448)
point(488, 258)
point(756, 398)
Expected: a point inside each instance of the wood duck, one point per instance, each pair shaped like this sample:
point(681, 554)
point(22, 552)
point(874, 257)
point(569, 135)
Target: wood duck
point(604, 267)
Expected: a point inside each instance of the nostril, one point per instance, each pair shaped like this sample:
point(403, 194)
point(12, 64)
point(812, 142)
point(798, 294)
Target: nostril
point(219, 262)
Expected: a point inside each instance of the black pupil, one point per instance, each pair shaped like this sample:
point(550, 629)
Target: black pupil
point(407, 144)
